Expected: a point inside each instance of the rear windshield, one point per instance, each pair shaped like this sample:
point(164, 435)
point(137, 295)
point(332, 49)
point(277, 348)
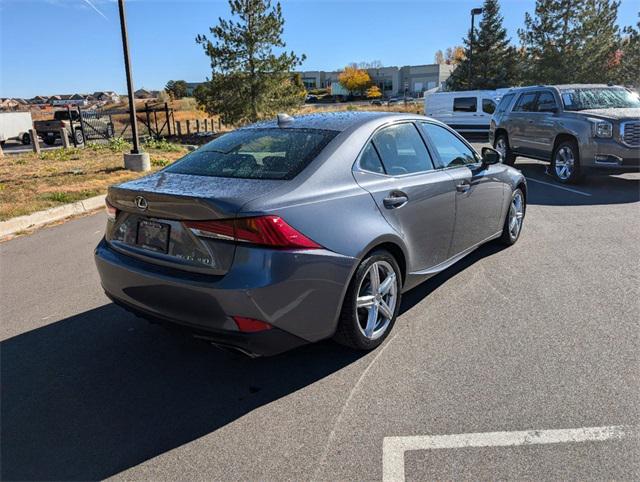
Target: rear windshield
point(598, 98)
point(278, 153)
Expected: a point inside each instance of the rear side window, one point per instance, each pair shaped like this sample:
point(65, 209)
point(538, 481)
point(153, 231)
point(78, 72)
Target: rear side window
point(488, 106)
point(277, 153)
point(526, 103)
point(504, 104)
point(465, 104)
point(402, 150)
point(370, 160)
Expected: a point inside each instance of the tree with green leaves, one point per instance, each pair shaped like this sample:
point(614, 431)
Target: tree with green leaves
point(249, 81)
point(551, 42)
point(177, 89)
point(627, 59)
point(493, 61)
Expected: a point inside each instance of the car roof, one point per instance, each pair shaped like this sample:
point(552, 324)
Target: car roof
point(562, 87)
point(335, 121)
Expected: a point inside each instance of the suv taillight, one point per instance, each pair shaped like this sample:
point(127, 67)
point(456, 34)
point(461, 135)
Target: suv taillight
point(270, 231)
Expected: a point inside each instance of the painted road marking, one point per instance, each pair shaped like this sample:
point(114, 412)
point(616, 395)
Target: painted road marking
point(559, 187)
point(393, 448)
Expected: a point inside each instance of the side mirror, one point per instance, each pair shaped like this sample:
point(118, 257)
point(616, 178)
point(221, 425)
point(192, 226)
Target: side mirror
point(490, 156)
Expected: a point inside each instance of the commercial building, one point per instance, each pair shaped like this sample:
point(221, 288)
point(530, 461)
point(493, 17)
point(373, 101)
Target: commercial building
point(413, 80)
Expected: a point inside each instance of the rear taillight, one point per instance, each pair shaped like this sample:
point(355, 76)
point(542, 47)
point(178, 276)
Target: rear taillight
point(112, 212)
point(250, 325)
point(270, 231)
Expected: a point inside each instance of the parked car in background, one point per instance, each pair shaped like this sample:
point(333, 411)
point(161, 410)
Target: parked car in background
point(292, 231)
point(15, 126)
point(468, 112)
point(49, 130)
point(377, 102)
point(577, 128)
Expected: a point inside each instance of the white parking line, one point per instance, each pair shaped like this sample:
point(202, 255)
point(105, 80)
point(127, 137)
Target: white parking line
point(393, 448)
point(558, 187)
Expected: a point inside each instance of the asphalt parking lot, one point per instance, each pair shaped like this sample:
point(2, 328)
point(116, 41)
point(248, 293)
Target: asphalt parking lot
point(518, 363)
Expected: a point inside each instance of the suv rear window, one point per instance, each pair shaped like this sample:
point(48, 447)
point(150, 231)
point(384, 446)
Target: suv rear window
point(275, 153)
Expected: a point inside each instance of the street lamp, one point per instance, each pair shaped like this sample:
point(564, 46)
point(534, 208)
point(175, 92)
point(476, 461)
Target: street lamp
point(474, 12)
point(136, 161)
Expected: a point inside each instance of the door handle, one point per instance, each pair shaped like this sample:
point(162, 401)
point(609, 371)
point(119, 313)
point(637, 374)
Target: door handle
point(464, 186)
point(395, 200)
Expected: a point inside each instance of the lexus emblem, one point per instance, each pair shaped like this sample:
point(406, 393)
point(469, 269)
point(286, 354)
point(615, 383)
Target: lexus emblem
point(141, 203)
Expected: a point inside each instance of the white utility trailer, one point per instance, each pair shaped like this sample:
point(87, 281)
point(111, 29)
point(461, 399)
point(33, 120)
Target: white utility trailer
point(15, 126)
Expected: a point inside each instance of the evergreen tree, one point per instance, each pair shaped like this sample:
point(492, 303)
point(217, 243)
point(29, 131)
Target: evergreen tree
point(628, 68)
point(493, 60)
point(249, 81)
point(598, 39)
point(550, 42)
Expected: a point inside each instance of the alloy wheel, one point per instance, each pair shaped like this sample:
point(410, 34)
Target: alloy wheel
point(516, 214)
point(377, 299)
point(564, 163)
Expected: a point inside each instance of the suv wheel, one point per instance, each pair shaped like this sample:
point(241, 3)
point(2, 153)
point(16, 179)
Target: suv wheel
point(565, 163)
point(501, 144)
point(372, 303)
point(26, 138)
point(79, 136)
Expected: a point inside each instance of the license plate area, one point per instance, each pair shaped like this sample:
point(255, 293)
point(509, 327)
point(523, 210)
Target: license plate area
point(153, 236)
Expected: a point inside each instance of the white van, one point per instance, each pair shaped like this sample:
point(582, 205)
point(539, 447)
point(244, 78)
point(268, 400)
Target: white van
point(468, 112)
point(15, 125)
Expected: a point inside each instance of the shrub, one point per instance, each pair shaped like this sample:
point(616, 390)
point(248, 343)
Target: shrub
point(159, 162)
point(162, 145)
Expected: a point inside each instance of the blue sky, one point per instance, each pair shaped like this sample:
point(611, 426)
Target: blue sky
point(66, 46)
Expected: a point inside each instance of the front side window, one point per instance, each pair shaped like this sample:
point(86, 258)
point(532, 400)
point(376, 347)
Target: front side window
point(526, 103)
point(451, 150)
point(273, 153)
point(488, 106)
point(465, 104)
point(504, 103)
point(402, 150)
point(546, 102)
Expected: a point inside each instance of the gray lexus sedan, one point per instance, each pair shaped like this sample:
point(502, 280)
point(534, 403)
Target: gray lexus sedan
point(299, 229)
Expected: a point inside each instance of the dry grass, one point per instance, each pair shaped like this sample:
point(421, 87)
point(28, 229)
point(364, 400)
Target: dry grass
point(339, 107)
point(30, 183)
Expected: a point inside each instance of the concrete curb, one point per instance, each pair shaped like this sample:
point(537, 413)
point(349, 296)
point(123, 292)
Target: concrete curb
point(40, 218)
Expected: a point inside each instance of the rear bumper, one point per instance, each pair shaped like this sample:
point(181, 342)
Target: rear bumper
point(299, 293)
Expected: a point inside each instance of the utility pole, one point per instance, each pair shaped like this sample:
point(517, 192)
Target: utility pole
point(474, 12)
point(136, 161)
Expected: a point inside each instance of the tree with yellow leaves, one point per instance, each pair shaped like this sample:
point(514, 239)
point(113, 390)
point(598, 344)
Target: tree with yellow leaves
point(353, 79)
point(374, 92)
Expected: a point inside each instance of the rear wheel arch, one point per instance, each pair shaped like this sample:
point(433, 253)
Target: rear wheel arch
point(394, 250)
point(501, 131)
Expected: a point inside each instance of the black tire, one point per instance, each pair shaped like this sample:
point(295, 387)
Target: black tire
point(79, 136)
point(509, 157)
point(49, 140)
point(349, 331)
point(508, 236)
point(26, 139)
point(566, 150)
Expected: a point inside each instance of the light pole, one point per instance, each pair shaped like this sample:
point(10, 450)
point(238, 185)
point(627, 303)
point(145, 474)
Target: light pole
point(474, 12)
point(136, 161)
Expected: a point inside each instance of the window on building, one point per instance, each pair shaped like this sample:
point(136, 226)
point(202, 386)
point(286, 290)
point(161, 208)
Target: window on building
point(309, 83)
point(465, 104)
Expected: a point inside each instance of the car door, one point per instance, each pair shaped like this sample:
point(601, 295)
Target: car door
point(465, 114)
point(479, 189)
point(520, 121)
point(540, 128)
point(417, 200)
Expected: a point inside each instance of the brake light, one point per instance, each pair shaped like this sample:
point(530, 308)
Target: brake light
point(270, 231)
point(249, 325)
point(112, 212)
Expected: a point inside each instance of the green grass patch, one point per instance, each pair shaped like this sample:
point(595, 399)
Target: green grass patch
point(162, 145)
point(71, 153)
point(65, 197)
